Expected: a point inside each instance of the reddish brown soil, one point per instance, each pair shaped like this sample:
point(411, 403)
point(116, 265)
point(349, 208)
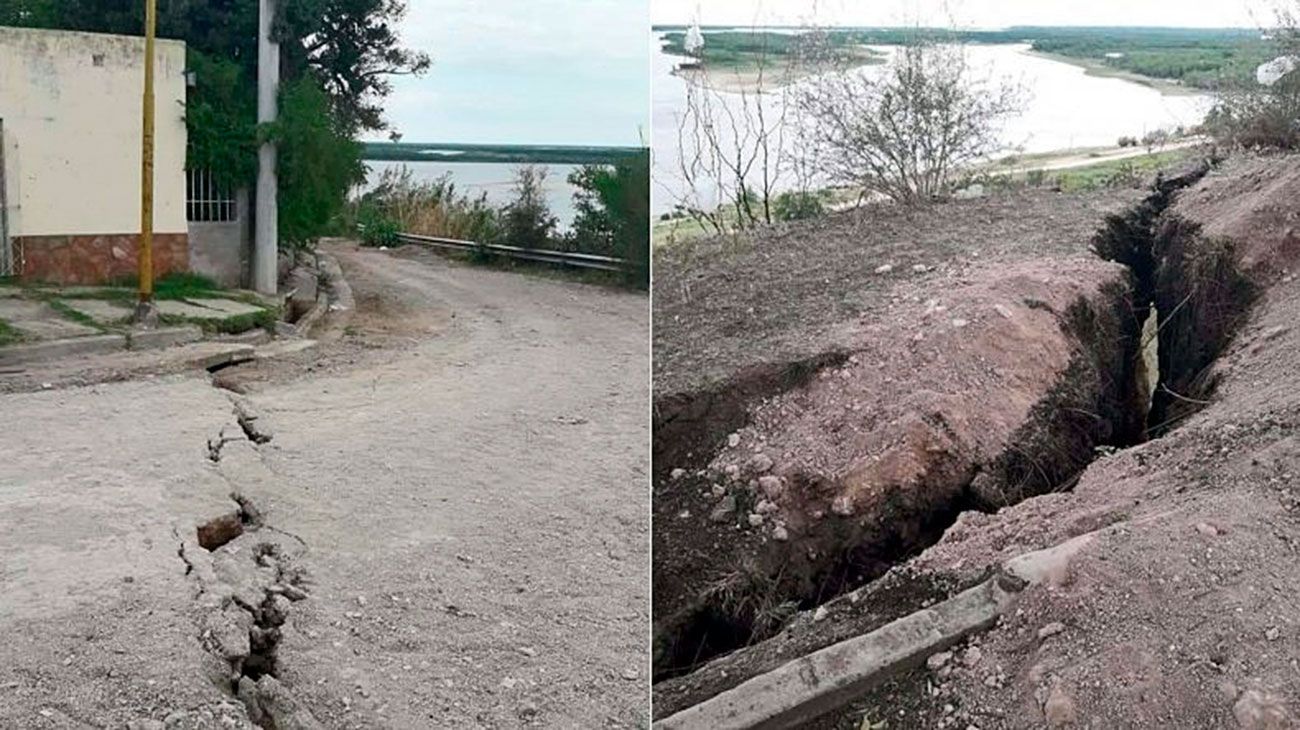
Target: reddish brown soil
point(724, 305)
point(1181, 608)
point(1182, 611)
point(947, 375)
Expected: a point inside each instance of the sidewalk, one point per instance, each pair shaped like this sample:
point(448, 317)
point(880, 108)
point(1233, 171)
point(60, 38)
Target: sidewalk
point(44, 323)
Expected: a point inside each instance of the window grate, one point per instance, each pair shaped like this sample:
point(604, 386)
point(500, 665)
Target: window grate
point(206, 201)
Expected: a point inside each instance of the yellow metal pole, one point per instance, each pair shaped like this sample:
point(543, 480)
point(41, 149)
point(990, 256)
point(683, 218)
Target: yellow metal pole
point(146, 158)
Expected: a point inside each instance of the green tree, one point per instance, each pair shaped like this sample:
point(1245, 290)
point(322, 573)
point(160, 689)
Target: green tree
point(613, 213)
point(527, 221)
point(319, 162)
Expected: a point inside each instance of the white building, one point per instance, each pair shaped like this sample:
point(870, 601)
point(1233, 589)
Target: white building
point(70, 140)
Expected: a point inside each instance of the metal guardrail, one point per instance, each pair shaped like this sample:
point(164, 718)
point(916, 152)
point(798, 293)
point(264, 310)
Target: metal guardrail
point(547, 256)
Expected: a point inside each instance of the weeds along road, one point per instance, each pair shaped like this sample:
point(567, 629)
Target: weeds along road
point(457, 479)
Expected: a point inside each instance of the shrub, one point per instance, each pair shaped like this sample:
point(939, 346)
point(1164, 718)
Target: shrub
point(908, 132)
point(429, 208)
point(1264, 117)
point(527, 221)
point(318, 163)
point(613, 213)
point(794, 206)
point(379, 230)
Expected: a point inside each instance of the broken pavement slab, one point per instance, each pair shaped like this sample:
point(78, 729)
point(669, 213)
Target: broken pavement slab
point(215, 355)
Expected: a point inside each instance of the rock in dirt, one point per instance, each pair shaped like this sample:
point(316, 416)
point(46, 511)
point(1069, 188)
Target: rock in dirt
point(220, 530)
point(760, 463)
point(284, 710)
point(1059, 710)
point(938, 661)
point(1051, 629)
point(725, 509)
point(1256, 710)
point(771, 486)
point(527, 710)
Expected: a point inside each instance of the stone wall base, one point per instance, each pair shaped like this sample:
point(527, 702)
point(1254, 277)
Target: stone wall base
point(95, 259)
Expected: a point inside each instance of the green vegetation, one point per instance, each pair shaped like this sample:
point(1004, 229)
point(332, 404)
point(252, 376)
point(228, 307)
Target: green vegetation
point(612, 203)
point(232, 325)
point(1258, 117)
point(318, 163)
point(527, 221)
point(1204, 58)
point(794, 206)
point(613, 219)
point(751, 50)
point(10, 335)
point(1115, 173)
point(399, 202)
point(73, 315)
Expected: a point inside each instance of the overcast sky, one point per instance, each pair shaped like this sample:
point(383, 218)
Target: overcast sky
point(527, 72)
point(968, 13)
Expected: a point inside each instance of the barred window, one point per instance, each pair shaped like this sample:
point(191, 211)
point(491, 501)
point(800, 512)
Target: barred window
point(206, 201)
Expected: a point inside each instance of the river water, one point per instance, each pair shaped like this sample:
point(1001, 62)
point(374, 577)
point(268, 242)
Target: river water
point(1066, 109)
point(494, 179)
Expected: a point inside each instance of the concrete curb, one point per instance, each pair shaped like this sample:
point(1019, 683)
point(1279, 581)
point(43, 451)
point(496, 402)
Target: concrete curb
point(313, 316)
point(70, 347)
point(812, 685)
point(163, 337)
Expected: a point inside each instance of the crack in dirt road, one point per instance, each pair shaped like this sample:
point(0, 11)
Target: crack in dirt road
point(468, 566)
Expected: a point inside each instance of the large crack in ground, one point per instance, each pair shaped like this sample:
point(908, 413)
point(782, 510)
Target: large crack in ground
point(247, 581)
point(1198, 296)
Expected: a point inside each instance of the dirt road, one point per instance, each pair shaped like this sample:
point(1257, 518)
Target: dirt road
point(457, 477)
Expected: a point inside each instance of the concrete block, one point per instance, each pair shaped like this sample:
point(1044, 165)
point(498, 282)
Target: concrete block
point(255, 336)
point(219, 354)
point(162, 337)
point(821, 682)
point(53, 349)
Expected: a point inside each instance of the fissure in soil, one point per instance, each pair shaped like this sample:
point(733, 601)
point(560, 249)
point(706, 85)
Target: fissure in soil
point(1198, 296)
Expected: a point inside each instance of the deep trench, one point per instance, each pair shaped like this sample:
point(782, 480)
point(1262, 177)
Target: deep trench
point(1199, 296)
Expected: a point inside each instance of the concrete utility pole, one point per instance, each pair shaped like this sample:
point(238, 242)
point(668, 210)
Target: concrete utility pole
point(267, 234)
point(145, 312)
